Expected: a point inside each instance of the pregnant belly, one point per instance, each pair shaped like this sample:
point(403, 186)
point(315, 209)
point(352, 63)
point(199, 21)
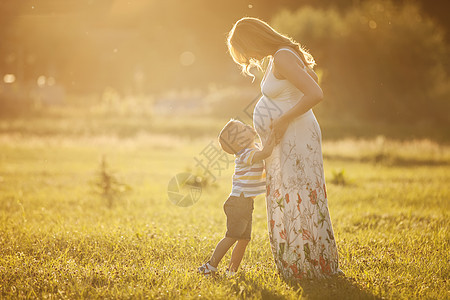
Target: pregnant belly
point(267, 110)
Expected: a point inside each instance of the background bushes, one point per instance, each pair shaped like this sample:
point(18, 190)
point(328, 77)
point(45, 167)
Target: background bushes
point(379, 61)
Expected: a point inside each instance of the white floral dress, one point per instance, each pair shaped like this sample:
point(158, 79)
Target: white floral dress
point(300, 230)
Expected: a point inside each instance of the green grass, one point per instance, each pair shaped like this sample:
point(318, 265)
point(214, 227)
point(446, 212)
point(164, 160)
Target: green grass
point(59, 239)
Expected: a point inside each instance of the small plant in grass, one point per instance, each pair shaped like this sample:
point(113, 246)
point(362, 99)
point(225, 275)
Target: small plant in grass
point(201, 177)
point(339, 177)
point(381, 154)
point(107, 185)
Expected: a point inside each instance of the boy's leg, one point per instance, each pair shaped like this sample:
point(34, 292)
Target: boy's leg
point(221, 248)
point(237, 255)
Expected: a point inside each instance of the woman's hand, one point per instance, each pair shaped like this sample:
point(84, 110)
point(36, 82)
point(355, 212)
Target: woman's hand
point(279, 127)
point(270, 143)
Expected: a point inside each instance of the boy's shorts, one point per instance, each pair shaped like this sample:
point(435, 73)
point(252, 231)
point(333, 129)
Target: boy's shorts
point(239, 217)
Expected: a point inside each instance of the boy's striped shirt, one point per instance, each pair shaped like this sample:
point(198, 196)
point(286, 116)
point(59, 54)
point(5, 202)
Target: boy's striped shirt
point(248, 178)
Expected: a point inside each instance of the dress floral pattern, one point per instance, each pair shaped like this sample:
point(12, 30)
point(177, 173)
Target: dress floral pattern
point(300, 230)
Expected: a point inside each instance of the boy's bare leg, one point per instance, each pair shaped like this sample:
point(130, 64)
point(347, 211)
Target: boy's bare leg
point(221, 248)
point(237, 255)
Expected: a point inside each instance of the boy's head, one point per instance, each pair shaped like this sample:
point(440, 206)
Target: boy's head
point(236, 136)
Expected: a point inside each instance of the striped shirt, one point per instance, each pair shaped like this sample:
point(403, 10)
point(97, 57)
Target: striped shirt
point(248, 178)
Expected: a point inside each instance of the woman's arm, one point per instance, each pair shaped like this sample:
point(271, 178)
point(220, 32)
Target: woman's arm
point(313, 74)
point(289, 67)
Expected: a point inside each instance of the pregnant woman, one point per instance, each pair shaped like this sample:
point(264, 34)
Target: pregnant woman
point(300, 230)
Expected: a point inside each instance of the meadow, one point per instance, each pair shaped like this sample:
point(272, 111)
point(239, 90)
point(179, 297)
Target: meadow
point(59, 238)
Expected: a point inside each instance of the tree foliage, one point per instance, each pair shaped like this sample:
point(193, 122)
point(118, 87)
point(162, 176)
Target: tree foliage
point(379, 60)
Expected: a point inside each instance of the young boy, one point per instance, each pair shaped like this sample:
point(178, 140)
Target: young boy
point(248, 181)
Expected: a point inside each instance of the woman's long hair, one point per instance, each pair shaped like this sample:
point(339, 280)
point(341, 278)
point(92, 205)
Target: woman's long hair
point(252, 36)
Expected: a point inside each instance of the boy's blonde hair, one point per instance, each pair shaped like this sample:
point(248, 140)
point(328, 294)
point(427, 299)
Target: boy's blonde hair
point(229, 146)
point(250, 35)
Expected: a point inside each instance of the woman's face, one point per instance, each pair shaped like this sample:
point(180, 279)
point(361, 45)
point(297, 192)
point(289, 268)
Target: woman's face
point(250, 50)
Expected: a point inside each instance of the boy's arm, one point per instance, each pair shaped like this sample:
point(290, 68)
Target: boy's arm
point(266, 151)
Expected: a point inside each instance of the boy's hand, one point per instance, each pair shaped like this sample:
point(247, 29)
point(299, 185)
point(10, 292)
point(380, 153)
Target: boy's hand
point(267, 149)
point(270, 144)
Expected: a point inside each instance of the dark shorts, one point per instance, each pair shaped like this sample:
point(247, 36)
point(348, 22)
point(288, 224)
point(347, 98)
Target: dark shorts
point(239, 217)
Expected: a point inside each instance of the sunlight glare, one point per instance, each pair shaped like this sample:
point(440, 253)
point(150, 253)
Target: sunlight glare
point(9, 78)
point(187, 58)
point(41, 81)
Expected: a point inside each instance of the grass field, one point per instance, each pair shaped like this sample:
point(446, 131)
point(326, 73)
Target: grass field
point(389, 203)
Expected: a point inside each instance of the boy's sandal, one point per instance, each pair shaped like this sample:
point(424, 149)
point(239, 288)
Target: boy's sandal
point(207, 269)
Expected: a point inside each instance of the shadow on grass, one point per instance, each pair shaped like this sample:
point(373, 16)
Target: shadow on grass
point(338, 287)
point(245, 287)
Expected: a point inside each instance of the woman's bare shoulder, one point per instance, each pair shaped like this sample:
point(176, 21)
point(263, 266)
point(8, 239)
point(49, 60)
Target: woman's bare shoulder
point(287, 56)
point(284, 60)
point(285, 51)
point(287, 64)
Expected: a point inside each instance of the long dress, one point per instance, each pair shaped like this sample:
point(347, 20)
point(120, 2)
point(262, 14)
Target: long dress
point(300, 231)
